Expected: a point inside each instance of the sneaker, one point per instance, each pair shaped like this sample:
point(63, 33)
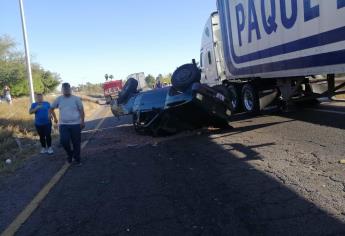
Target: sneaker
point(44, 151)
point(50, 151)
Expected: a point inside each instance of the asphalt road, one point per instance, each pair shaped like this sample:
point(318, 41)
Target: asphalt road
point(269, 175)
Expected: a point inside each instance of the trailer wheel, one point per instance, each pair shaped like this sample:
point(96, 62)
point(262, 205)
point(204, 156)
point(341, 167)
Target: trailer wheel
point(250, 99)
point(184, 76)
point(234, 98)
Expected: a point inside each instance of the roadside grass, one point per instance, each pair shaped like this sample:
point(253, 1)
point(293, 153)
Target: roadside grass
point(18, 138)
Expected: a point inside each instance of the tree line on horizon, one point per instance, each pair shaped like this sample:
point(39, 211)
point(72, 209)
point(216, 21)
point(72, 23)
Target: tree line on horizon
point(151, 80)
point(13, 71)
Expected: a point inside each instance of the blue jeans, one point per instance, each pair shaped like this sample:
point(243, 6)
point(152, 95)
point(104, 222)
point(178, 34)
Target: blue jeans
point(68, 134)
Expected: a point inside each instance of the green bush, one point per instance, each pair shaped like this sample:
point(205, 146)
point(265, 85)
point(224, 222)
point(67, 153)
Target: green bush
point(13, 72)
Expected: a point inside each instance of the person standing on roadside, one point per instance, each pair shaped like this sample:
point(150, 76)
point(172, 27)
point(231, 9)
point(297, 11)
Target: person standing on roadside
point(71, 122)
point(158, 84)
point(43, 123)
point(7, 94)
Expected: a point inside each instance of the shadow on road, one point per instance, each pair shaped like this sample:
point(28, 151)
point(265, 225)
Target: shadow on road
point(312, 115)
point(187, 186)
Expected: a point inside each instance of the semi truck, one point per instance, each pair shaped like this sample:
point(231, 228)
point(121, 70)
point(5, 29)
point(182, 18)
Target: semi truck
point(112, 89)
point(274, 51)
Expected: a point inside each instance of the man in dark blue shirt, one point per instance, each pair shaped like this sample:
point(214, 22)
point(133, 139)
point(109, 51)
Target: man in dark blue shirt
point(43, 123)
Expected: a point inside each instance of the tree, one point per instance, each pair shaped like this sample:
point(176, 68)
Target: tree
point(50, 81)
point(6, 46)
point(166, 79)
point(159, 77)
point(150, 80)
point(13, 71)
point(91, 89)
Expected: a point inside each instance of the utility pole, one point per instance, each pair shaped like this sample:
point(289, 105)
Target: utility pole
point(27, 52)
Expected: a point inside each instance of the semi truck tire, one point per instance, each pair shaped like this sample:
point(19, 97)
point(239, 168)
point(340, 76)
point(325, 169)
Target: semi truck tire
point(129, 88)
point(250, 99)
point(184, 76)
point(234, 98)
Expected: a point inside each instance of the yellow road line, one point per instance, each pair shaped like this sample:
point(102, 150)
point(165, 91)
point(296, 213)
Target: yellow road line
point(32, 206)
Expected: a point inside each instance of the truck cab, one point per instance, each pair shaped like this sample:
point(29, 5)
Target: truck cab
point(211, 53)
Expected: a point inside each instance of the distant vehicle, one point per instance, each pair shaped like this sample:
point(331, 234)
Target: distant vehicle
point(266, 51)
point(171, 109)
point(112, 89)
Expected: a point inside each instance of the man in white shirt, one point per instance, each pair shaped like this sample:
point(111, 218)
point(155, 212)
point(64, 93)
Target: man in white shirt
point(71, 122)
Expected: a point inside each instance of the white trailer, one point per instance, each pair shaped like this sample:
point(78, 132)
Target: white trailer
point(262, 50)
point(140, 77)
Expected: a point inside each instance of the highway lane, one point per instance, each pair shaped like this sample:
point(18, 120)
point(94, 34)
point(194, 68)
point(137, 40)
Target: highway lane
point(19, 188)
point(269, 175)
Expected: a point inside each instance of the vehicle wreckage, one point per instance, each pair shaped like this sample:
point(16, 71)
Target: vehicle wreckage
point(185, 105)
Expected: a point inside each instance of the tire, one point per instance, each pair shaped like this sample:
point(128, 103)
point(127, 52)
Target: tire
point(234, 98)
point(185, 76)
point(129, 88)
point(250, 99)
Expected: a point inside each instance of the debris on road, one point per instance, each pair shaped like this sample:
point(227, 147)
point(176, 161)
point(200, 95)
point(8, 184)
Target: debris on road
point(342, 161)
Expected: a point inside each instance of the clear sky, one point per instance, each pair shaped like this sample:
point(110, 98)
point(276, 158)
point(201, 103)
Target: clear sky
point(84, 39)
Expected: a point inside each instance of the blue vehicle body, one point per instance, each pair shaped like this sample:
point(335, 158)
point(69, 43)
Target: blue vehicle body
point(167, 111)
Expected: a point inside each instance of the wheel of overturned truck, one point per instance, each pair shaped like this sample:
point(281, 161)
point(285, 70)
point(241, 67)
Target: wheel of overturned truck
point(129, 88)
point(184, 76)
point(250, 99)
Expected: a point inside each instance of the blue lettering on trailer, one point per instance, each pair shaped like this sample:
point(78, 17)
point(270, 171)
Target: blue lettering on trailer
point(309, 11)
point(240, 22)
point(270, 24)
point(288, 22)
point(341, 3)
point(253, 22)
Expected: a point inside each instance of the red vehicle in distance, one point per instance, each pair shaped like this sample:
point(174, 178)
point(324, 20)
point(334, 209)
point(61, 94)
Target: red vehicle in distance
point(112, 89)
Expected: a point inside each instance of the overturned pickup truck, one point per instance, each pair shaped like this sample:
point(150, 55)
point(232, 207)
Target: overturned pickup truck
point(186, 105)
